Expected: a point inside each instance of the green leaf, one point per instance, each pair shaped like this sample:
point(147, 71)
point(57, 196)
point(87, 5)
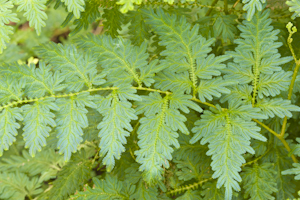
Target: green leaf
point(229, 138)
point(240, 74)
point(138, 30)
point(37, 120)
point(211, 192)
point(71, 178)
point(185, 48)
point(75, 6)
point(214, 87)
point(109, 188)
point(238, 93)
point(256, 58)
point(170, 81)
point(90, 14)
point(113, 20)
point(259, 181)
point(8, 127)
point(150, 105)
point(294, 7)
point(34, 12)
point(182, 102)
point(156, 134)
point(272, 85)
point(10, 89)
point(46, 164)
point(121, 61)
point(17, 186)
point(210, 66)
point(80, 68)
point(277, 106)
point(294, 171)
point(251, 6)
point(71, 119)
point(115, 126)
point(225, 26)
point(246, 112)
point(6, 16)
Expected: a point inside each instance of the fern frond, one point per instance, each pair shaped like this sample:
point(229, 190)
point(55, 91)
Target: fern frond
point(170, 81)
point(294, 171)
point(192, 167)
point(71, 119)
point(229, 137)
point(251, 6)
point(80, 68)
point(256, 59)
point(294, 7)
point(182, 102)
point(246, 112)
point(214, 87)
point(277, 106)
point(158, 131)
point(9, 126)
point(272, 85)
point(238, 93)
point(10, 90)
point(72, 177)
point(37, 120)
point(16, 186)
point(108, 188)
point(155, 139)
point(225, 26)
point(75, 6)
point(186, 50)
point(115, 126)
point(242, 75)
point(38, 81)
point(114, 20)
point(34, 12)
point(6, 16)
point(277, 155)
point(138, 29)
point(210, 66)
point(256, 176)
point(46, 164)
point(122, 62)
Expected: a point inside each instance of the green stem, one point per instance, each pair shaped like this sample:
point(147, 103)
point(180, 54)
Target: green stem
point(289, 41)
point(226, 7)
point(213, 4)
point(279, 136)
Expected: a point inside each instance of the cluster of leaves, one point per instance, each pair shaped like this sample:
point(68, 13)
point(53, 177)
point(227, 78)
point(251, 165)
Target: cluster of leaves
point(183, 102)
point(88, 11)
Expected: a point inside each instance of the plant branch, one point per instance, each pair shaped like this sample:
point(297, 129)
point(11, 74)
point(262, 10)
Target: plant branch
point(289, 41)
point(266, 127)
point(226, 6)
point(213, 4)
point(280, 137)
point(286, 145)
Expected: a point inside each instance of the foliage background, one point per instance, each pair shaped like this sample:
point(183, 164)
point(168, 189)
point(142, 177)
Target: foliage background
point(47, 176)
